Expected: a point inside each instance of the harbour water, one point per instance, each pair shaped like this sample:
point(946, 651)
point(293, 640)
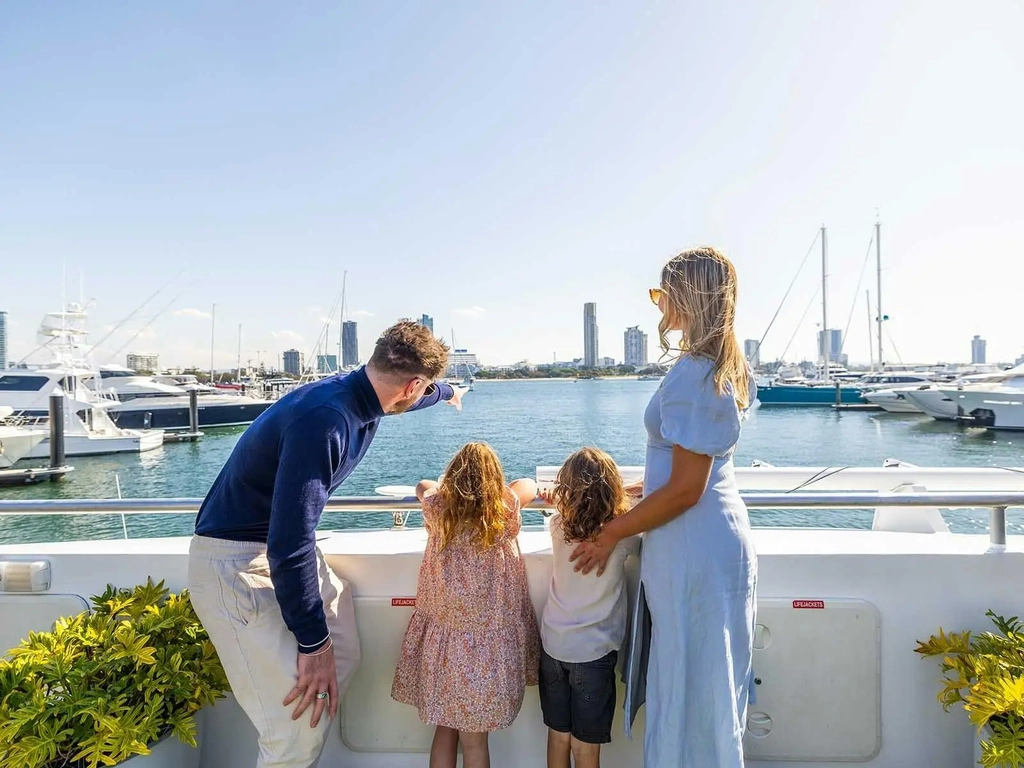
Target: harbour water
point(530, 423)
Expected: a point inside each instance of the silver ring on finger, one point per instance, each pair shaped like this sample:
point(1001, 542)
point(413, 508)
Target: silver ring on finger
point(322, 695)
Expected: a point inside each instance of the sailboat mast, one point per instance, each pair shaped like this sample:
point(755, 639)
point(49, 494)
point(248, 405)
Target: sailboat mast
point(213, 325)
point(826, 345)
point(878, 295)
point(238, 380)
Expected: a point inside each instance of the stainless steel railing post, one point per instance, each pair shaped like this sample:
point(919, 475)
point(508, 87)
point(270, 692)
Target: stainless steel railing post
point(997, 528)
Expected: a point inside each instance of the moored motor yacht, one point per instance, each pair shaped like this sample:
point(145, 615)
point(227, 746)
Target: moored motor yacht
point(162, 402)
point(16, 440)
point(995, 403)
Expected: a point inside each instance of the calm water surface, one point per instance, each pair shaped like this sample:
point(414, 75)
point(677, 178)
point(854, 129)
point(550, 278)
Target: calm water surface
point(530, 423)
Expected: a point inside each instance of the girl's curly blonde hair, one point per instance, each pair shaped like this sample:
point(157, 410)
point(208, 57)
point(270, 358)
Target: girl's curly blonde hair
point(588, 493)
point(473, 496)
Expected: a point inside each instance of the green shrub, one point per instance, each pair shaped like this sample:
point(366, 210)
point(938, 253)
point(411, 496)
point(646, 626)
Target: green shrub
point(104, 685)
point(985, 673)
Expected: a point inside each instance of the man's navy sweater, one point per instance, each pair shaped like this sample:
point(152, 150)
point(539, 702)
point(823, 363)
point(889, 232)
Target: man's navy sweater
point(275, 483)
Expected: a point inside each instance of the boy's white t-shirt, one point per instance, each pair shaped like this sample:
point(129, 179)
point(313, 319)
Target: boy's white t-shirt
point(585, 615)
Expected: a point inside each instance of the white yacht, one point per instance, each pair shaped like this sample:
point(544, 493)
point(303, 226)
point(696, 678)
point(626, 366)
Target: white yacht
point(996, 402)
point(893, 400)
point(839, 615)
point(162, 402)
point(16, 441)
point(88, 429)
point(931, 399)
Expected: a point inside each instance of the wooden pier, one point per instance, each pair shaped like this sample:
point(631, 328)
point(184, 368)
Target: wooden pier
point(857, 407)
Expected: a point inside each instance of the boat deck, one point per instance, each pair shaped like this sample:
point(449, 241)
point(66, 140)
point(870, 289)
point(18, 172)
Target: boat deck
point(839, 679)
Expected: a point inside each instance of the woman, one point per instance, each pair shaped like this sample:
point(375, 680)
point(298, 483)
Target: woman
point(699, 569)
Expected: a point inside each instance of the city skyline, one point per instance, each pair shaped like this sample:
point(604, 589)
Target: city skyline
point(499, 173)
point(277, 357)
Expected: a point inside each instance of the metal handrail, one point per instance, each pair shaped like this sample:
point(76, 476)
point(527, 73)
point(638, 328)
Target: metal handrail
point(996, 501)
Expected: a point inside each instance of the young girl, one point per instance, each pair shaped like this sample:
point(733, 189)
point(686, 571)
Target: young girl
point(584, 621)
point(472, 644)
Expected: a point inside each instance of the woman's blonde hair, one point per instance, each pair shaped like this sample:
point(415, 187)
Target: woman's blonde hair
point(472, 496)
point(588, 493)
point(699, 287)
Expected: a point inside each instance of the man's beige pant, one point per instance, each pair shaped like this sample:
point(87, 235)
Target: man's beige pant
point(230, 585)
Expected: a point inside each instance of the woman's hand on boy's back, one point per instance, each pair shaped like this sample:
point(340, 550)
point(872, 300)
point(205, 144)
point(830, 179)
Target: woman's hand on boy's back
point(595, 553)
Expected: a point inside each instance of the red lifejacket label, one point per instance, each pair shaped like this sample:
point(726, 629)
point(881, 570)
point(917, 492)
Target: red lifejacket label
point(819, 604)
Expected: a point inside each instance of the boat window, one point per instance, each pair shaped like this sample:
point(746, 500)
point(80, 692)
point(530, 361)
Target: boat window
point(16, 383)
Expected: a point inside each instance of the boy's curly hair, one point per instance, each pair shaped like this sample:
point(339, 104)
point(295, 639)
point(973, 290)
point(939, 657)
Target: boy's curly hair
point(588, 493)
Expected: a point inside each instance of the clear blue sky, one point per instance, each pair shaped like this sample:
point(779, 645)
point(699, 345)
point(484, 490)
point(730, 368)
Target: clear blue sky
point(496, 165)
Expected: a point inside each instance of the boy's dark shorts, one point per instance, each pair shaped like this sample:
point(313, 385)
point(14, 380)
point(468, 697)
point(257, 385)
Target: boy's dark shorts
point(579, 699)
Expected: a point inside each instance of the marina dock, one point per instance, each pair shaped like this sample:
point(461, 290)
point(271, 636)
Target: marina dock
point(31, 475)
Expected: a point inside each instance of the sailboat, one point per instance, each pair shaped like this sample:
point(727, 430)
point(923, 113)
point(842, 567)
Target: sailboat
point(824, 391)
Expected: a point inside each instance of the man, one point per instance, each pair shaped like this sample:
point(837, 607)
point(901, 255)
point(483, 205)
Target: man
point(282, 622)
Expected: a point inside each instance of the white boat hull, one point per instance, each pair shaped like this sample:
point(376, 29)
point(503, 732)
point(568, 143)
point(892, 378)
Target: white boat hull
point(993, 409)
point(129, 441)
point(934, 402)
point(16, 443)
point(891, 401)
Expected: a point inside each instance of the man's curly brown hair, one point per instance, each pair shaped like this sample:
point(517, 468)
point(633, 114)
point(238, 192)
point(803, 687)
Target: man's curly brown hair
point(588, 493)
point(408, 349)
